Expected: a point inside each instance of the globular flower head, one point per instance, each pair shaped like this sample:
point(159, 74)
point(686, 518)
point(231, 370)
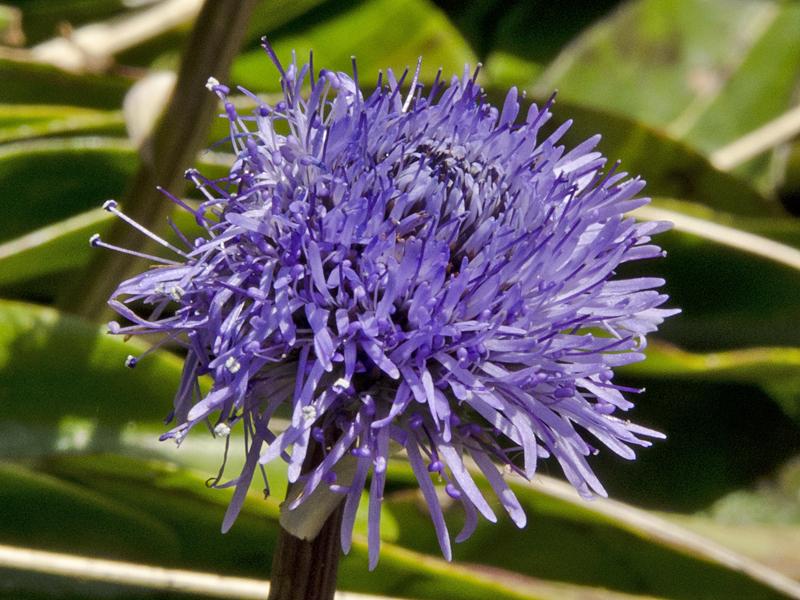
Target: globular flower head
point(413, 271)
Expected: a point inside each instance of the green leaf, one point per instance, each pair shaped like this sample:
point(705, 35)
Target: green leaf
point(270, 15)
point(784, 229)
point(717, 434)
point(50, 180)
point(380, 33)
point(761, 87)
point(732, 284)
point(564, 531)
point(48, 513)
point(671, 168)
point(28, 263)
point(645, 59)
point(707, 72)
point(789, 189)
point(775, 545)
point(53, 365)
point(163, 51)
point(775, 370)
point(194, 513)
point(770, 504)
point(749, 365)
point(57, 186)
point(18, 122)
point(32, 83)
point(676, 65)
point(519, 39)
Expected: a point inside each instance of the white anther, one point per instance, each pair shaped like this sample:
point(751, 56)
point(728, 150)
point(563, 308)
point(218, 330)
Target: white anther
point(222, 430)
point(130, 361)
point(212, 83)
point(176, 292)
point(232, 365)
point(341, 383)
point(380, 464)
point(309, 413)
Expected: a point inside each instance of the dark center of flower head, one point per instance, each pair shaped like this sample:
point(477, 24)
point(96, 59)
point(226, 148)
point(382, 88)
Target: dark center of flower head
point(417, 269)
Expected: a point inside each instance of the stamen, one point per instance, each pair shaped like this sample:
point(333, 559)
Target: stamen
point(274, 57)
point(341, 384)
point(200, 183)
point(220, 89)
point(452, 491)
point(222, 430)
point(96, 242)
point(177, 200)
point(355, 72)
point(178, 232)
point(413, 88)
point(232, 365)
point(131, 361)
point(309, 413)
point(111, 206)
point(176, 292)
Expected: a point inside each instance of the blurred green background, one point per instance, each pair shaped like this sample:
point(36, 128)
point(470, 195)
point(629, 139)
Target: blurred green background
point(674, 87)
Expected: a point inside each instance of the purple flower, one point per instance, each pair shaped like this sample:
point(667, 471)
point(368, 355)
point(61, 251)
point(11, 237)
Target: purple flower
point(416, 271)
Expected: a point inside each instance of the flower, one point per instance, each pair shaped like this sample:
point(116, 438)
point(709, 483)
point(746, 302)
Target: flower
point(415, 269)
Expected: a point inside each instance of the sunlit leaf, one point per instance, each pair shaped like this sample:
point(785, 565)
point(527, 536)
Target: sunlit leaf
point(564, 531)
point(53, 249)
point(670, 168)
point(707, 72)
point(19, 122)
point(58, 186)
point(194, 512)
point(667, 64)
point(379, 33)
point(53, 365)
point(774, 545)
point(776, 370)
point(761, 87)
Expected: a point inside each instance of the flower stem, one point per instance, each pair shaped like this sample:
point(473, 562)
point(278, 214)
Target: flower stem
point(306, 570)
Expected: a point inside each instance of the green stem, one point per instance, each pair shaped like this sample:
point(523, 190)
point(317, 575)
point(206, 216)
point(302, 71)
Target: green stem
point(170, 149)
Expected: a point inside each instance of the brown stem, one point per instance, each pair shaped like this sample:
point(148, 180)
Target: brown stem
point(306, 570)
point(170, 149)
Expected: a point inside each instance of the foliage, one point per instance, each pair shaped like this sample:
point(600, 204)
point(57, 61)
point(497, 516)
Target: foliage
point(668, 85)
